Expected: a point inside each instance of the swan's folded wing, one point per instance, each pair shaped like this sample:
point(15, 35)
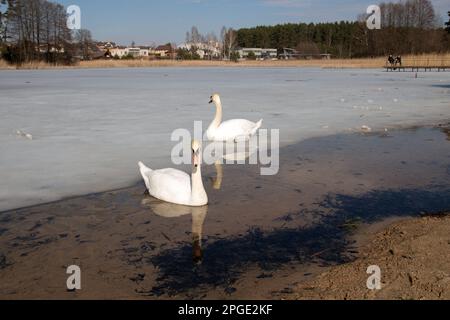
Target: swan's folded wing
point(171, 185)
point(232, 129)
point(174, 173)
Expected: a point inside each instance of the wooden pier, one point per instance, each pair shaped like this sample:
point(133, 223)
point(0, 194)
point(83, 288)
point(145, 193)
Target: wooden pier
point(417, 68)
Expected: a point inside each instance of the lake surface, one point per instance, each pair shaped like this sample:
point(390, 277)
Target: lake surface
point(91, 127)
point(263, 232)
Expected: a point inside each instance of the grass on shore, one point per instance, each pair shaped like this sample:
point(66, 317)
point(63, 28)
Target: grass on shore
point(425, 60)
point(35, 65)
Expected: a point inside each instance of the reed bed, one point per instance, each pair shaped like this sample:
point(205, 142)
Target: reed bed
point(425, 60)
point(5, 65)
point(35, 65)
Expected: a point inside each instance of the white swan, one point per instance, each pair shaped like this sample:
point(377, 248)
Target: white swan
point(232, 129)
point(176, 186)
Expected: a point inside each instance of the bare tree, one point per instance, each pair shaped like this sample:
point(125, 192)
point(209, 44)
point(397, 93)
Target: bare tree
point(37, 29)
point(195, 35)
point(411, 13)
point(85, 43)
point(223, 34)
point(229, 39)
point(423, 13)
point(4, 4)
point(211, 37)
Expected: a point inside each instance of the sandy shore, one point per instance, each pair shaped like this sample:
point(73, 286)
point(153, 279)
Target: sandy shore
point(274, 233)
point(414, 261)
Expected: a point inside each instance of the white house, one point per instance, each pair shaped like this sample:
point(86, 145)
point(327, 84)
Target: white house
point(163, 51)
point(144, 52)
point(118, 52)
point(260, 53)
point(137, 52)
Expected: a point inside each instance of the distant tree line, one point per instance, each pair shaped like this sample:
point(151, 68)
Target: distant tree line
point(409, 27)
point(36, 30)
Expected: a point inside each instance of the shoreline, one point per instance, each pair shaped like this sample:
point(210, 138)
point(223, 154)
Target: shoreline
point(174, 64)
point(354, 63)
point(410, 255)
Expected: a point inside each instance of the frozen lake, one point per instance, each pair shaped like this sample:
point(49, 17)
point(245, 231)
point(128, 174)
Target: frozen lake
point(91, 127)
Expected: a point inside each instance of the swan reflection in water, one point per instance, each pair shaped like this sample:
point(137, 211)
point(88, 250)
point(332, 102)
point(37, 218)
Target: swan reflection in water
point(171, 211)
point(228, 158)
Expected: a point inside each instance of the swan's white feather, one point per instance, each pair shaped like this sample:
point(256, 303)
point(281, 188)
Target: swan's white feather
point(169, 185)
point(234, 129)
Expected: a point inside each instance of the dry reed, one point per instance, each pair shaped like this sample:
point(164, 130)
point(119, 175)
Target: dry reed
point(425, 60)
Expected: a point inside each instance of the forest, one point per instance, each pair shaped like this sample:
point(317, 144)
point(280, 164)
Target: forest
point(408, 27)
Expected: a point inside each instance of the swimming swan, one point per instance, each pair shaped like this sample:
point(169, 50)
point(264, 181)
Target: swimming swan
point(176, 186)
point(232, 129)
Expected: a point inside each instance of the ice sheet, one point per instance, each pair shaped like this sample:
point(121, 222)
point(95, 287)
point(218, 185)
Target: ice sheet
point(89, 128)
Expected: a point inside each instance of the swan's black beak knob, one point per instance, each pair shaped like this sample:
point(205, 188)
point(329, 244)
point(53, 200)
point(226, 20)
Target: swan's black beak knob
point(211, 100)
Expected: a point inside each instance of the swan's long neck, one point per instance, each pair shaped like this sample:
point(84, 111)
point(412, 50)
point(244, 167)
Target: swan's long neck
point(219, 112)
point(198, 195)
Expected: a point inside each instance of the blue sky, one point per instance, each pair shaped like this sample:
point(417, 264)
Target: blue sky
point(161, 21)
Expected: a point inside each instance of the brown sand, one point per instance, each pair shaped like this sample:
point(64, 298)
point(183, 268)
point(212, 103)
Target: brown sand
point(414, 259)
